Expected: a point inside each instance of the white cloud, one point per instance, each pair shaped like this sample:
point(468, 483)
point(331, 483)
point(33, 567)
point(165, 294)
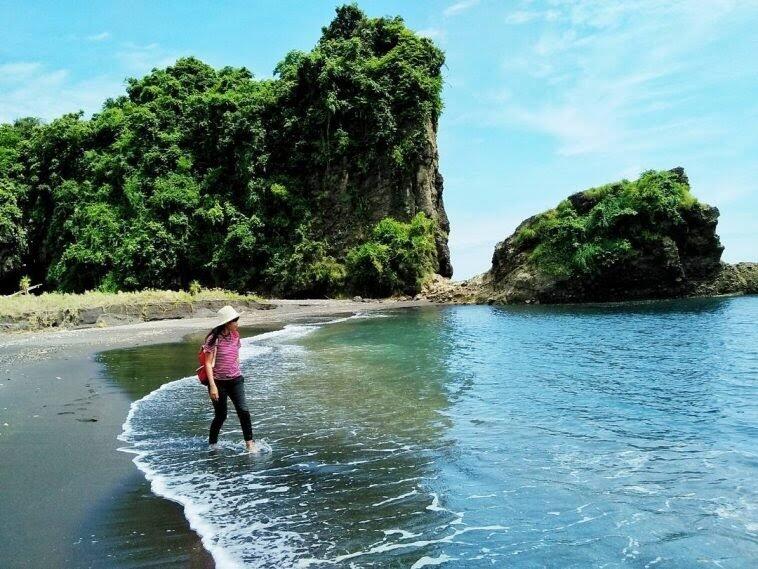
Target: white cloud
point(526, 16)
point(579, 132)
point(630, 172)
point(522, 17)
point(611, 76)
point(141, 59)
point(102, 36)
point(31, 89)
point(432, 33)
point(727, 188)
point(459, 7)
point(18, 71)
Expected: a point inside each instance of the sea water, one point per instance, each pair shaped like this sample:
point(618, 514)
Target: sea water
point(477, 436)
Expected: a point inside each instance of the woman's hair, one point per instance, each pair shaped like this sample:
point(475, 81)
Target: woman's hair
point(216, 332)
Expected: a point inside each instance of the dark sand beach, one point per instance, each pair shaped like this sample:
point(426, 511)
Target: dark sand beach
point(69, 497)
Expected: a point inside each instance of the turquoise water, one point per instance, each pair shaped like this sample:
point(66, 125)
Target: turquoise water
point(477, 436)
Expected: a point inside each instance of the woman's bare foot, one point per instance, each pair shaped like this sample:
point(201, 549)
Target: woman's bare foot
point(250, 445)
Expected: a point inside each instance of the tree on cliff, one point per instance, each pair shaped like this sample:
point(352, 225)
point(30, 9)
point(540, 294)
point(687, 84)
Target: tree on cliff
point(209, 174)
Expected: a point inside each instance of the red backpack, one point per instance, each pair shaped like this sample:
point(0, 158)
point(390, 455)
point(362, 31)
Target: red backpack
point(201, 372)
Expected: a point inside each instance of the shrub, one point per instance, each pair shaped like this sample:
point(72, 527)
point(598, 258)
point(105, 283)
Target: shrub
point(194, 288)
point(306, 270)
point(369, 271)
point(396, 260)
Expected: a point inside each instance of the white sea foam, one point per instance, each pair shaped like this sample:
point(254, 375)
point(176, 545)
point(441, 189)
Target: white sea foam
point(396, 498)
point(435, 505)
point(404, 534)
point(387, 547)
point(187, 489)
point(425, 561)
point(193, 510)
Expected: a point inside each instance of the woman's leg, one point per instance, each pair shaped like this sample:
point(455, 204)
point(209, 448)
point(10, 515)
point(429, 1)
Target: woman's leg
point(219, 414)
point(237, 395)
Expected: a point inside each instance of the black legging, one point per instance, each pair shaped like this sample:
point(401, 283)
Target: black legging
point(235, 390)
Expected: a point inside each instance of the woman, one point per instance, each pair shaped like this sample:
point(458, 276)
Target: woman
point(225, 379)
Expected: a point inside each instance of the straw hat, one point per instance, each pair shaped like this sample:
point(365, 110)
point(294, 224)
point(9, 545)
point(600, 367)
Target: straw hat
point(227, 314)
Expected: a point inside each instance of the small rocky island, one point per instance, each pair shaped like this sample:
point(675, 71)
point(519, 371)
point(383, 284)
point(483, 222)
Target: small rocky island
point(629, 240)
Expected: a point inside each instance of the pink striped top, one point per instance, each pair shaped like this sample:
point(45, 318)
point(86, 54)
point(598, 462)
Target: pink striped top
point(227, 365)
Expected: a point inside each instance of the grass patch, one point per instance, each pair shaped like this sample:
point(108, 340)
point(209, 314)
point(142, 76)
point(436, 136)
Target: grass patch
point(20, 305)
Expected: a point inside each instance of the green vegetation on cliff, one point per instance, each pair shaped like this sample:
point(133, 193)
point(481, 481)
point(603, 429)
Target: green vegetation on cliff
point(594, 230)
point(209, 174)
point(397, 258)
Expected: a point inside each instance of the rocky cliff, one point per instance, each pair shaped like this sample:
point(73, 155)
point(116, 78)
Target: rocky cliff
point(284, 180)
point(645, 239)
point(358, 200)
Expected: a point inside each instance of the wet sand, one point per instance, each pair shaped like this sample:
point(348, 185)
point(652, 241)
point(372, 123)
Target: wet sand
point(69, 497)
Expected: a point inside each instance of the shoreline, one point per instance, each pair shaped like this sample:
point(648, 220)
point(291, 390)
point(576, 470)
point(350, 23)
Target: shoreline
point(61, 415)
point(476, 291)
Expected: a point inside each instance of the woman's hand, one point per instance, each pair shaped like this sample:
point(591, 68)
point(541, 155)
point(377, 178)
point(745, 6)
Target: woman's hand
point(213, 392)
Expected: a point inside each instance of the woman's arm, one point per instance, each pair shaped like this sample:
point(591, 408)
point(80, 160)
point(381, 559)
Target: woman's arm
point(210, 361)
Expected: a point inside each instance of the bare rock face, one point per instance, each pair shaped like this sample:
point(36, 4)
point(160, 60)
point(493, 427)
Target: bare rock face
point(428, 198)
point(355, 201)
point(741, 278)
point(442, 289)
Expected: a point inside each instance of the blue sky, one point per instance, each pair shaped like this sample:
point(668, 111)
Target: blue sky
point(542, 98)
